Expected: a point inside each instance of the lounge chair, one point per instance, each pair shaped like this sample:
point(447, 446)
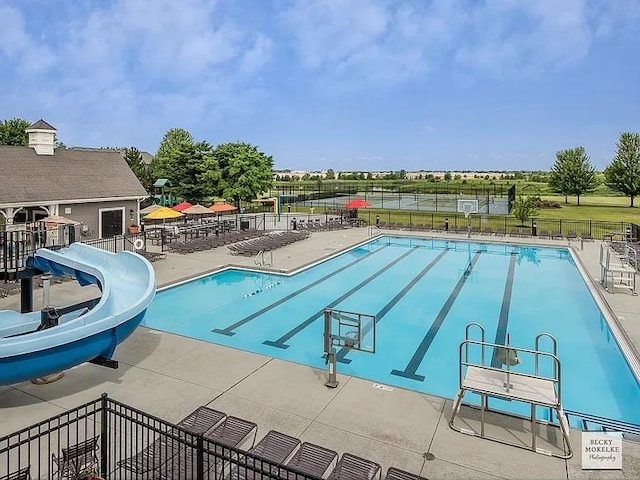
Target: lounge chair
point(586, 236)
point(274, 447)
point(351, 467)
point(310, 459)
point(228, 434)
point(572, 235)
point(556, 234)
point(543, 233)
point(397, 474)
point(165, 448)
point(22, 474)
point(232, 432)
point(76, 459)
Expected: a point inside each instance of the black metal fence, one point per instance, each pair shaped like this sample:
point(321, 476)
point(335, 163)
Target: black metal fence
point(596, 229)
point(16, 246)
point(119, 243)
point(115, 441)
point(299, 191)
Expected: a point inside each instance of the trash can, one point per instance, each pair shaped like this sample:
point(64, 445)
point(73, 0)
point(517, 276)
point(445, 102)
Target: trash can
point(446, 224)
point(534, 229)
point(294, 224)
point(244, 224)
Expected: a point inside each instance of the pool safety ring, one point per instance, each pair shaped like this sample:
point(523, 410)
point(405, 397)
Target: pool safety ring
point(138, 244)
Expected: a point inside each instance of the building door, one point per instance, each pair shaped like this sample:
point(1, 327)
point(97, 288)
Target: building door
point(111, 223)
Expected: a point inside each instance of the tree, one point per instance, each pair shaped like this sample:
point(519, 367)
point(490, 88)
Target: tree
point(246, 171)
point(194, 172)
point(173, 141)
point(524, 207)
point(331, 175)
point(572, 173)
point(12, 132)
point(138, 167)
point(447, 176)
point(623, 174)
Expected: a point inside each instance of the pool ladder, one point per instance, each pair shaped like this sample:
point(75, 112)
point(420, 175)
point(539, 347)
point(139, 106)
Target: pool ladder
point(264, 258)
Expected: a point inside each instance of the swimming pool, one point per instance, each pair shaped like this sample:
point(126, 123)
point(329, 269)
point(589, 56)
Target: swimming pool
point(423, 293)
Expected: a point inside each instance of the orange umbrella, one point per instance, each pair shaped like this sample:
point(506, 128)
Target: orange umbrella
point(181, 206)
point(222, 207)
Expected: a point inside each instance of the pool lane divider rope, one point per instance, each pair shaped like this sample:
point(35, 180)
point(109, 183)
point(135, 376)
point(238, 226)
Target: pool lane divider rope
point(421, 351)
point(280, 342)
point(380, 315)
point(229, 331)
point(503, 320)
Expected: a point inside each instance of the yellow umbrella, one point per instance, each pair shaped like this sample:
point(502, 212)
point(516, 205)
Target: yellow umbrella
point(163, 213)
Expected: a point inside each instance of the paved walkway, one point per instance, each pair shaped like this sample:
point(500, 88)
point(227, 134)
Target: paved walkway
point(396, 427)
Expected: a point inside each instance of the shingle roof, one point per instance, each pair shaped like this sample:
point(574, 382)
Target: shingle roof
point(68, 175)
point(40, 125)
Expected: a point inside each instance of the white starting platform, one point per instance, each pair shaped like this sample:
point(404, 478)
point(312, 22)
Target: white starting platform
point(494, 377)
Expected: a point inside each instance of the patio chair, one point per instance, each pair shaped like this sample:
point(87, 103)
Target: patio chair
point(397, 474)
point(76, 459)
point(22, 474)
point(310, 459)
point(351, 467)
point(274, 447)
point(165, 448)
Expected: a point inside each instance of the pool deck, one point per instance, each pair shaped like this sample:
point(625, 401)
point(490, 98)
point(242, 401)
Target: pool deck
point(395, 427)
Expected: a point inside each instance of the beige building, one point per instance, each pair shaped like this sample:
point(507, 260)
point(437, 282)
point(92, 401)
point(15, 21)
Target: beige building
point(94, 187)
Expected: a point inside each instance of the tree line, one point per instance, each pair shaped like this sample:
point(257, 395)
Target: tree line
point(573, 174)
point(200, 172)
point(239, 171)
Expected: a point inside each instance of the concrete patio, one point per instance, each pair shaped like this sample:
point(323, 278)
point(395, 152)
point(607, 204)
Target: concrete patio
point(394, 427)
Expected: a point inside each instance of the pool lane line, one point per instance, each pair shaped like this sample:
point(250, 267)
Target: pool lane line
point(344, 351)
point(280, 342)
point(229, 331)
point(421, 351)
point(503, 320)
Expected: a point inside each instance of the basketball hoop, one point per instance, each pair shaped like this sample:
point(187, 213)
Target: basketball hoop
point(467, 208)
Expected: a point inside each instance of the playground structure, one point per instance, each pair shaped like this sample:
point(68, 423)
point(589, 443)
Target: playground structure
point(162, 193)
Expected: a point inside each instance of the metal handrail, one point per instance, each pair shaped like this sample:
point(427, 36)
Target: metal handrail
point(466, 336)
point(464, 362)
point(554, 344)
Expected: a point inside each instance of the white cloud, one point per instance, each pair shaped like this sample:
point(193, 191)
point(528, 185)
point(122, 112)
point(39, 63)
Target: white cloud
point(389, 42)
point(17, 46)
point(120, 62)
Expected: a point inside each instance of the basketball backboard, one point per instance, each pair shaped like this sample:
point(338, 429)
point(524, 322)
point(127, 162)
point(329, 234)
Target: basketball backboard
point(468, 207)
point(356, 331)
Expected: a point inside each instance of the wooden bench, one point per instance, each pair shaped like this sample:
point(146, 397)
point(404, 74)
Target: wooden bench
point(76, 459)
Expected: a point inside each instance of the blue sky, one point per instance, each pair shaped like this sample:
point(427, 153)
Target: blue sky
point(342, 84)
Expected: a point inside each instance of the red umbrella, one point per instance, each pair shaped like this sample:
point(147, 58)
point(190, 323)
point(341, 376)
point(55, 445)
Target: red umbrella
point(356, 203)
point(222, 207)
point(182, 206)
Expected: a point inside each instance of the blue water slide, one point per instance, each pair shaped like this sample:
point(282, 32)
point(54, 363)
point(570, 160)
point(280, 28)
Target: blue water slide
point(127, 283)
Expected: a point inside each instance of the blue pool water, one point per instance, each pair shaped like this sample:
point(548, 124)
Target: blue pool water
point(424, 296)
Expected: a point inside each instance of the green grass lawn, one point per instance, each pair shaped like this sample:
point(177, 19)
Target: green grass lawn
point(609, 208)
